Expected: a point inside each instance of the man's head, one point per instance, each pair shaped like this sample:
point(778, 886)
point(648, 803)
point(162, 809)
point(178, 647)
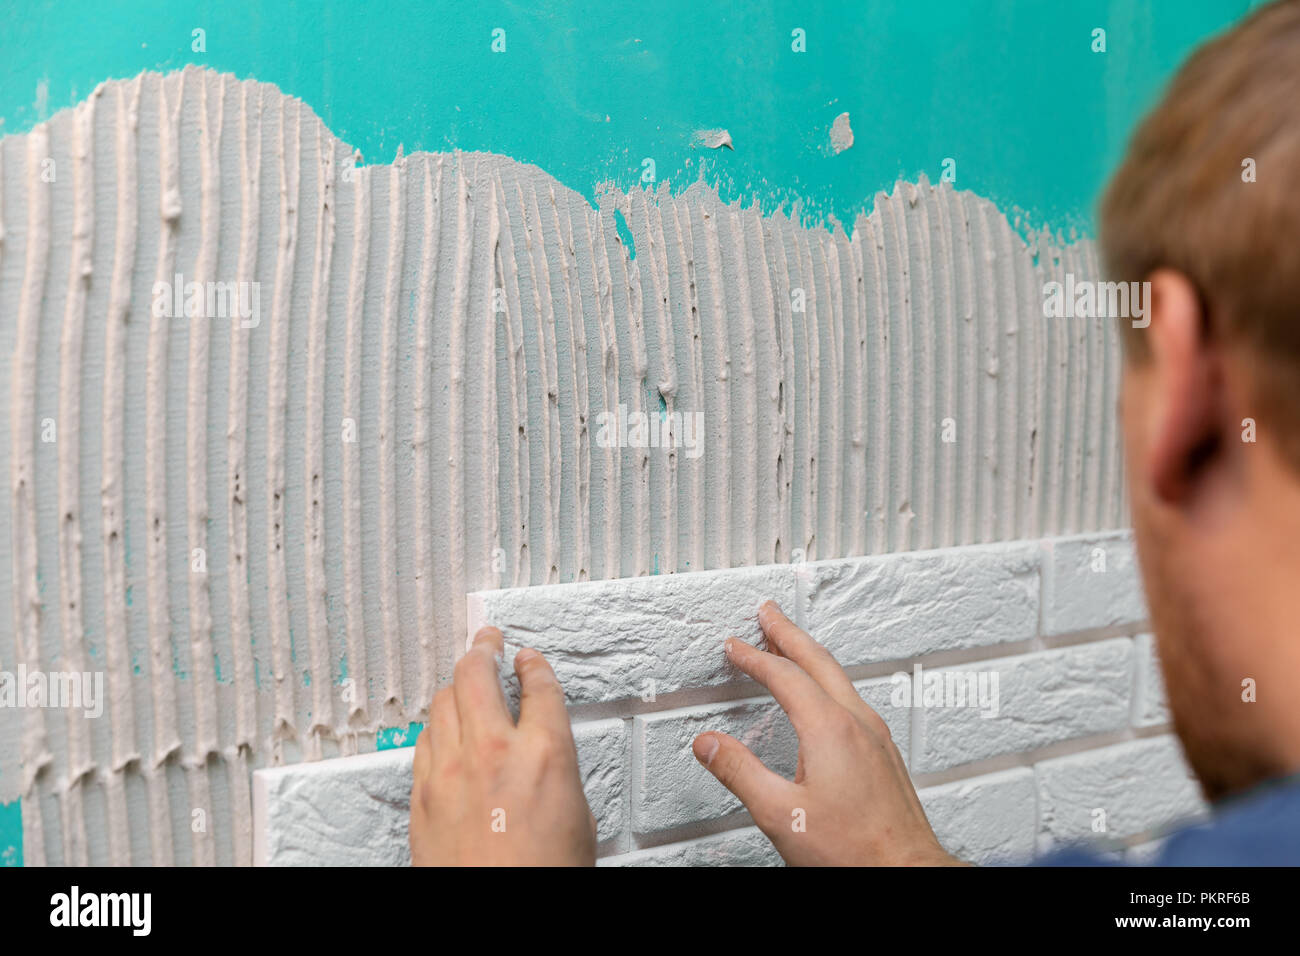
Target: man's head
point(1206, 206)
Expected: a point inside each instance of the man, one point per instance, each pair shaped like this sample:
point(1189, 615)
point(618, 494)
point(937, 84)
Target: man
point(1206, 209)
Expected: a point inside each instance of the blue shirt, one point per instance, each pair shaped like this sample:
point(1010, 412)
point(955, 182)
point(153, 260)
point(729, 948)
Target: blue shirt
point(1260, 827)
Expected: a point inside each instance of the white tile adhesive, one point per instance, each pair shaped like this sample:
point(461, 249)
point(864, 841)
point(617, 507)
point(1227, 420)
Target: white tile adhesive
point(262, 528)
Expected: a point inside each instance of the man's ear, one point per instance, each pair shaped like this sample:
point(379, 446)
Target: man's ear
point(1184, 420)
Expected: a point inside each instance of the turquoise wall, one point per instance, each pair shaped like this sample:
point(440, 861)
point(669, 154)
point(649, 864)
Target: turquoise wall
point(11, 834)
point(1010, 89)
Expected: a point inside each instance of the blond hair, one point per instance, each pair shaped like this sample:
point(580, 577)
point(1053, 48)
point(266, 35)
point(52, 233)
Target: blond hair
point(1210, 186)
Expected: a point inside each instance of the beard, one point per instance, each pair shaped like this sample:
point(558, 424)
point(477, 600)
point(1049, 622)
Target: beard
point(1227, 748)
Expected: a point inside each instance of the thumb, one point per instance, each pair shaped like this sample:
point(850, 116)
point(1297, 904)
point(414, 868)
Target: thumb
point(739, 770)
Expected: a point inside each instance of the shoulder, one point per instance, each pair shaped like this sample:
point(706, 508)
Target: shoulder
point(1259, 828)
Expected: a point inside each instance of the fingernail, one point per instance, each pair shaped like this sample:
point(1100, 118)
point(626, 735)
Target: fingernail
point(525, 655)
point(706, 748)
point(769, 609)
point(727, 645)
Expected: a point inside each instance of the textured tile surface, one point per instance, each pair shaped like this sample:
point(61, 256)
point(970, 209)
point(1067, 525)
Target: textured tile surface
point(1091, 581)
point(619, 646)
point(904, 605)
point(636, 637)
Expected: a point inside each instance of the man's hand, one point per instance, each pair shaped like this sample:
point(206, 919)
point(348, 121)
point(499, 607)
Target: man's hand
point(851, 802)
point(487, 792)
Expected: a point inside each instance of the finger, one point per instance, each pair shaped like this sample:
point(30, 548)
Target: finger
point(423, 762)
point(480, 702)
point(798, 645)
point(741, 772)
point(444, 725)
point(541, 700)
point(798, 694)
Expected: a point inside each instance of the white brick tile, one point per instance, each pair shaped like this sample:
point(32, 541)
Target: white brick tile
point(744, 847)
point(354, 811)
point(351, 811)
point(1141, 786)
point(1042, 698)
point(620, 640)
point(613, 640)
point(985, 820)
point(1150, 706)
point(1091, 581)
point(673, 789)
point(602, 762)
point(897, 606)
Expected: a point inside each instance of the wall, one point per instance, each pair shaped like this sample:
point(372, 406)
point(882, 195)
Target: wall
point(958, 78)
point(262, 534)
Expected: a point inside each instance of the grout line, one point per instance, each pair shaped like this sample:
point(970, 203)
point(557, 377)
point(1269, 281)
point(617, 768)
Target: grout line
point(648, 849)
point(743, 690)
point(1029, 758)
point(1044, 552)
point(634, 734)
point(696, 829)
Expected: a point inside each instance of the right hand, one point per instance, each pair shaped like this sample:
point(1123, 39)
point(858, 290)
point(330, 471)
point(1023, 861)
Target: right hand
point(852, 802)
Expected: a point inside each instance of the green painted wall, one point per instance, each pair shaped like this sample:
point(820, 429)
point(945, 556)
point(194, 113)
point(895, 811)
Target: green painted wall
point(1010, 89)
point(11, 834)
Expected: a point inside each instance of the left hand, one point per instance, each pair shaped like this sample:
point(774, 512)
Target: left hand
point(488, 792)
